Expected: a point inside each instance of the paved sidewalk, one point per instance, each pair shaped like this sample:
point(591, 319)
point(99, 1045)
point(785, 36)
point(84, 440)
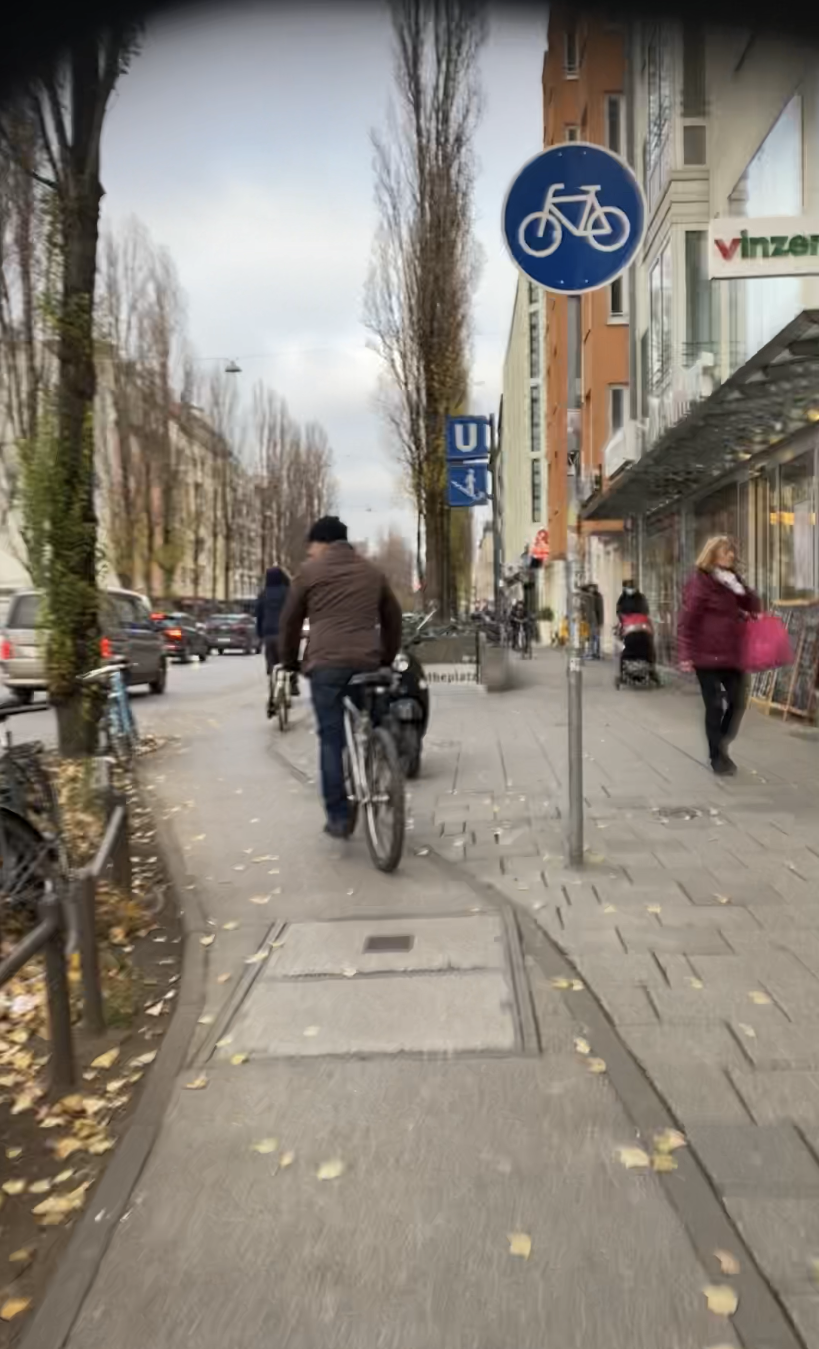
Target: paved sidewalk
point(695, 921)
point(412, 1034)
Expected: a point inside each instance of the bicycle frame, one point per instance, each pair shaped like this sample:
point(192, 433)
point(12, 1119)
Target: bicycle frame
point(356, 729)
point(550, 208)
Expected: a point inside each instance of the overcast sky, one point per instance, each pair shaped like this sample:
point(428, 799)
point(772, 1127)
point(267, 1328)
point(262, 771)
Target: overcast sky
point(240, 137)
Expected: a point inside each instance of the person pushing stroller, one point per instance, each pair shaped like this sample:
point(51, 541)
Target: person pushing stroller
point(636, 632)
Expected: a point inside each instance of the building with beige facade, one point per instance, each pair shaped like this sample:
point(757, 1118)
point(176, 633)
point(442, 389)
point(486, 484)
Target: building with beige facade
point(523, 481)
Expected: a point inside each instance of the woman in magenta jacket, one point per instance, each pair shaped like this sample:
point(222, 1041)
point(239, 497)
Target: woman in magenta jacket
point(709, 642)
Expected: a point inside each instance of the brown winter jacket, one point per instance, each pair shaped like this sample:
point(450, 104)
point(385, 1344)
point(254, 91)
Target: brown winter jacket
point(355, 620)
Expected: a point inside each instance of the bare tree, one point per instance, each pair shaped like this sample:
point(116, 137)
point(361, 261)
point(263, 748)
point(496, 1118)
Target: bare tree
point(67, 104)
point(424, 267)
point(223, 414)
point(394, 556)
point(163, 345)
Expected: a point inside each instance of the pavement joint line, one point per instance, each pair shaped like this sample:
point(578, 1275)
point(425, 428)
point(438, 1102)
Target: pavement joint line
point(67, 1290)
point(761, 1318)
point(232, 1003)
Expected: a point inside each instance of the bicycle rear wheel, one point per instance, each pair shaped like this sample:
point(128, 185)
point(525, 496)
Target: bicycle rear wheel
point(27, 861)
point(352, 798)
point(384, 809)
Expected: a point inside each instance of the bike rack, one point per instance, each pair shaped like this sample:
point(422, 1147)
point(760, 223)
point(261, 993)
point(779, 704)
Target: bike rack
point(114, 852)
point(49, 936)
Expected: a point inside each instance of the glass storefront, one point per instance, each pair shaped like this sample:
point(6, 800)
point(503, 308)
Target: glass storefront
point(795, 523)
point(663, 576)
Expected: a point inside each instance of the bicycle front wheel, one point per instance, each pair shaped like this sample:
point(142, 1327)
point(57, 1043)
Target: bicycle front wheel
point(384, 809)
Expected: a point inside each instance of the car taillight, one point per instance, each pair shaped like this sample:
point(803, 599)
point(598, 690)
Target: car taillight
point(176, 633)
point(6, 649)
point(106, 649)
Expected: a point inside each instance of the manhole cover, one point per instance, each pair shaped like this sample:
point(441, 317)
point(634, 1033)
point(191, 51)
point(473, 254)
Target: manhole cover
point(389, 943)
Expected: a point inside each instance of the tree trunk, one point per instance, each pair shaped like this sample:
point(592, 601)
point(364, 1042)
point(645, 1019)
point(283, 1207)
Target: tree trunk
point(72, 592)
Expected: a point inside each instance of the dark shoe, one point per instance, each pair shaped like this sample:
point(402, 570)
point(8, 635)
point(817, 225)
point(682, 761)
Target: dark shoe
point(723, 766)
point(337, 829)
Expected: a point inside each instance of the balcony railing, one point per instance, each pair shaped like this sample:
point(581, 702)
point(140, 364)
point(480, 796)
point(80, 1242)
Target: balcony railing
point(623, 448)
point(671, 400)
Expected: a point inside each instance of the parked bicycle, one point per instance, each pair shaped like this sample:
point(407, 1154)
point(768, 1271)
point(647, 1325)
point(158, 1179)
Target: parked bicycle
point(372, 769)
point(279, 695)
point(32, 849)
point(118, 726)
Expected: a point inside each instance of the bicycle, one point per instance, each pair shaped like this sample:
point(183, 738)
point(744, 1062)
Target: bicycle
point(118, 724)
point(32, 855)
point(372, 771)
point(597, 223)
point(279, 695)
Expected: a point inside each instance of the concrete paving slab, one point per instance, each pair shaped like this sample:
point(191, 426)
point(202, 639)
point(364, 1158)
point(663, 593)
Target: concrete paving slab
point(696, 1092)
point(715, 1004)
point(686, 1043)
point(804, 1308)
point(746, 1159)
point(426, 1013)
point(689, 941)
point(784, 1236)
point(409, 1248)
point(467, 942)
point(772, 1097)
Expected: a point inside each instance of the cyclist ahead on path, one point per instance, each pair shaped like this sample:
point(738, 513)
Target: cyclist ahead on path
point(269, 608)
point(355, 625)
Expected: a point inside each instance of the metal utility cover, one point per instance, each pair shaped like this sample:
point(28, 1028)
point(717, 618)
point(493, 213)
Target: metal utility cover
point(470, 942)
point(383, 944)
point(426, 1014)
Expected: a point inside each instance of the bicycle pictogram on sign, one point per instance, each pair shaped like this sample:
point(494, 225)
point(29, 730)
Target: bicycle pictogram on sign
point(574, 217)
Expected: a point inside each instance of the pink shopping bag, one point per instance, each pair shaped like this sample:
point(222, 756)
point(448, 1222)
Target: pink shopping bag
point(766, 644)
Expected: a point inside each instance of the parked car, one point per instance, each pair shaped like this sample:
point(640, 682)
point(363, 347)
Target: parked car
point(233, 632)
point(127, 634)
point(184, 638)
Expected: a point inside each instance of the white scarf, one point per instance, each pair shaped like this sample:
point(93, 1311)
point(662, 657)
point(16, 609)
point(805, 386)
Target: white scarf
point(729, 579)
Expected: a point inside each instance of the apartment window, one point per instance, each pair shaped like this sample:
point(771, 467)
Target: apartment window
point(534, 344)
point(570, 132)
point(658, 79)
point(693, 70)
point(694, 144)
point(644, 375)
point(617, 407)
point(574, 350)
point(537, 491)
point(701, 299)
point(532, 293)
point(534, 419)
point(660, 318)
point(615, 122)
point(570, 63)
point(617, 298)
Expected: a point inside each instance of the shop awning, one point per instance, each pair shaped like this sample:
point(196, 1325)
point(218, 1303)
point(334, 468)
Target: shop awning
point(773, 395)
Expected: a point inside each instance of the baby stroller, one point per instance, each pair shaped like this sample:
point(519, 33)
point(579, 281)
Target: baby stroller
point(637, 666)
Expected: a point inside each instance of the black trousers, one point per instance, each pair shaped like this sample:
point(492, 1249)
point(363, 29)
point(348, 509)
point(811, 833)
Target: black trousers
point(724, 693)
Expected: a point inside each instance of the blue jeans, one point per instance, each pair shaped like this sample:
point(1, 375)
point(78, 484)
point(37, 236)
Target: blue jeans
point(328, 688)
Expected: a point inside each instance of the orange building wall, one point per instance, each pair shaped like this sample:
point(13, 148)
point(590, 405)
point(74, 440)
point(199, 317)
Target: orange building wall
point(580, 102)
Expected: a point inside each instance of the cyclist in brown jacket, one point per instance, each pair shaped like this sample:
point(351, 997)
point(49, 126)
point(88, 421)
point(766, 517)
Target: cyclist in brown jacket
point(355, 625)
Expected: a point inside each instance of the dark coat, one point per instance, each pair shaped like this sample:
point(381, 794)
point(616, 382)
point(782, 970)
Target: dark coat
point(270, 602)
point(632, 604)
point(709, 633)
point(355, 620)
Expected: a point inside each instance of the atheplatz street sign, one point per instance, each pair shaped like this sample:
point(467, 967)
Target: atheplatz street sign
point(574, 218)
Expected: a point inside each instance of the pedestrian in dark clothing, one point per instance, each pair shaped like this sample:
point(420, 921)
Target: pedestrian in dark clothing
point(269, 607)
point(598, 613)
point(709, 641)
point(355, 625)
point(632, 600)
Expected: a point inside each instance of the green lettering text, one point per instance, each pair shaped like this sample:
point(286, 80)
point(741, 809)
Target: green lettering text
point(799, 246)
point(780, 243)
point(744, 245)
point(762, 243)
point(814, 244)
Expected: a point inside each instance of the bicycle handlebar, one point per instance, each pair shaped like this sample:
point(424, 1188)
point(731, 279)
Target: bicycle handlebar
point(103, 672)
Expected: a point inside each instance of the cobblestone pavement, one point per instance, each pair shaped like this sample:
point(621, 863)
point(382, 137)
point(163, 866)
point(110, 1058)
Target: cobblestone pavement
point(695, 921)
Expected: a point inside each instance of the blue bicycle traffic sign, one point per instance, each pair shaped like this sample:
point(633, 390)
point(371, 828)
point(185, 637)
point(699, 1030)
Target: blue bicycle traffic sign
point(467, 484)
point(574, 218)
point(467, 438)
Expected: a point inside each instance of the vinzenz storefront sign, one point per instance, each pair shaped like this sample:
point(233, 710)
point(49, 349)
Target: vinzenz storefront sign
point(783, 245)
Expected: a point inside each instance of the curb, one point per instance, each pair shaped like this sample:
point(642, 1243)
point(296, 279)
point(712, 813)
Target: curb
point(55, 1318)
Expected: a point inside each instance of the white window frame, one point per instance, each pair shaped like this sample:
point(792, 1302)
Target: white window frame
point(619, 316)
point(571, 72)
point(569, 128)
point(622, 389)
point(620, 100)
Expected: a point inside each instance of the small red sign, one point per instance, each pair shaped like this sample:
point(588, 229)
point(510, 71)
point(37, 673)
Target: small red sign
point(540, 547)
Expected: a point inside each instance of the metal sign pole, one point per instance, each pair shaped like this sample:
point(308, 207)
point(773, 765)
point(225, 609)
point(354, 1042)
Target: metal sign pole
point(575, 668)
point(494, 456)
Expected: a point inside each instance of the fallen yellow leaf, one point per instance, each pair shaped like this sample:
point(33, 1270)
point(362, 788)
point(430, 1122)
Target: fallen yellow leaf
point(265, 1146)
point(722, 899)
point(747, 1030)
point(287, 1159)
point(143, 1060)
point(257, 958)
point(574, 984)
point(39, 1187)
point(206, 1020)
point(758, 998)
point(65, 1146)
point(609, 908)
point(197, 1084)
point(310, 1032)
point(62, 1203)
point(661, 1161)
point(22, 1257)
point(13, 1307)
point(12, 1187)
point(721, 1299)
point(582, 1046)
point(63, 1176)
point(693, 982)
point(208, 941)
point(237, 1059)
point(330, 1170)
point(728, 1263)
point(596, 1065)
point(106, 1060)
point(230, 927)
point(669, 1140)
point(653, 908)
point(260, 899)
point(223, 978)
point(520, 1243)
point(14, 1153)
point(633, 1157)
